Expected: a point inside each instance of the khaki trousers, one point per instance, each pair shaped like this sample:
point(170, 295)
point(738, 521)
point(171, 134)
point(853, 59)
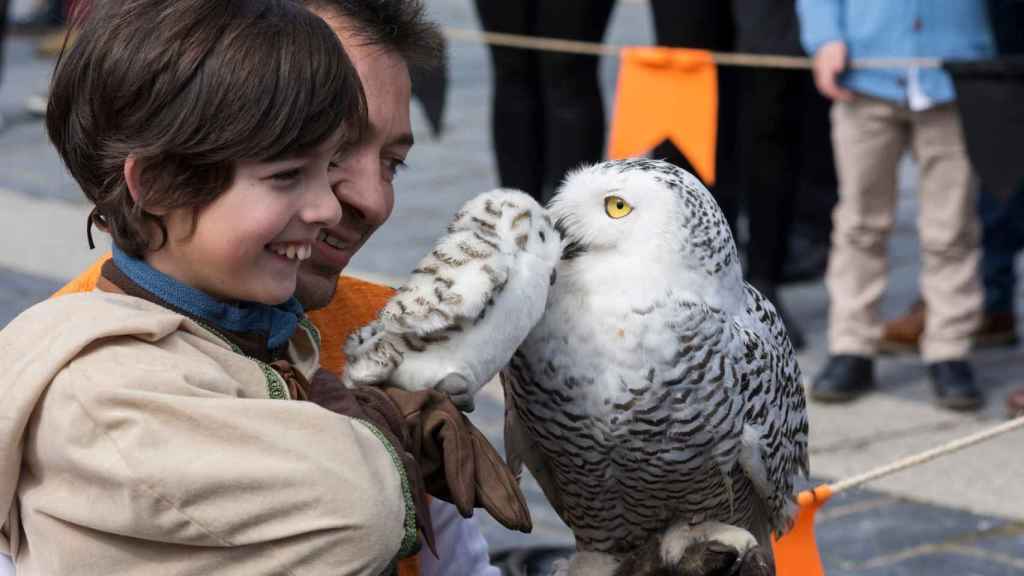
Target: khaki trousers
point(869, 136)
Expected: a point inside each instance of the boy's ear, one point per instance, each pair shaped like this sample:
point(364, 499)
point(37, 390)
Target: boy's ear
point(133, 179)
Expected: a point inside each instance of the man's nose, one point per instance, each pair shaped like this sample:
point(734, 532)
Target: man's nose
point(367, 193)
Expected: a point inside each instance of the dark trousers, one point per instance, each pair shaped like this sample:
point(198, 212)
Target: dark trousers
point(706, 25)
point(1002, 221)
point(1002, 238)
point(548, 115)
point(788, 169)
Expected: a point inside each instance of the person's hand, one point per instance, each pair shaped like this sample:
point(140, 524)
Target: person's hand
point(445, 455)
point(458, 464)
point(829, 63)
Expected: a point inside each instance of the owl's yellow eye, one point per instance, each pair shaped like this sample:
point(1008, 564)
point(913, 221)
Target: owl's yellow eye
point(616, 207)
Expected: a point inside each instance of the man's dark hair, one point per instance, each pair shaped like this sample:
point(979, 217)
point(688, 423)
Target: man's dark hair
point(398, 25)
point(188, 88)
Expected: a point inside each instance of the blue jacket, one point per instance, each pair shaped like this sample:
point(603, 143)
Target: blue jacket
point(946, 29)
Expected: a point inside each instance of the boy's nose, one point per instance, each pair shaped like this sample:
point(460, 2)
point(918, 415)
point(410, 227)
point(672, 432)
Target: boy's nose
point(323, 207)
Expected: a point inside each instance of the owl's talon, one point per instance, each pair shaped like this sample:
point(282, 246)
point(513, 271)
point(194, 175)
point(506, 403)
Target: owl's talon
point(755, 562)
point(459, 390)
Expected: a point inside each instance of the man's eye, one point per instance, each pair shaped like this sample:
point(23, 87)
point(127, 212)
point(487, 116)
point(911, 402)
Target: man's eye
point(392, 167)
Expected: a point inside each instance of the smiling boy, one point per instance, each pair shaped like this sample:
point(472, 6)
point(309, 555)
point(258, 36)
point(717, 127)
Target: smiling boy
point(145, 430)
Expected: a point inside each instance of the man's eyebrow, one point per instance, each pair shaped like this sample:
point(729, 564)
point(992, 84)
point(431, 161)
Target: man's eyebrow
point(405, 139)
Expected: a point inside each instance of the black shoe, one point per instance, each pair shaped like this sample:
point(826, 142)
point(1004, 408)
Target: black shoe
point(844, 378)
point(953, 382)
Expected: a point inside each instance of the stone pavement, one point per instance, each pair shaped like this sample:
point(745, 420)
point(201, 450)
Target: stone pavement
point(963, 514)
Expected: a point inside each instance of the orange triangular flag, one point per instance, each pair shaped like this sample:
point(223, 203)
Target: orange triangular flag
point(796, 553)
point(667, 93)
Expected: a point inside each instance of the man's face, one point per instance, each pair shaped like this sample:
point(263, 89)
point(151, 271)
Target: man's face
point(362, 181)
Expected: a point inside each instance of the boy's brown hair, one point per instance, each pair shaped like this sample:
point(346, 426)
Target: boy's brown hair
point(189, 88)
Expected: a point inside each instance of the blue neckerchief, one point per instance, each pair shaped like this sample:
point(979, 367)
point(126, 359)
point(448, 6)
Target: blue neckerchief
point(278, 323)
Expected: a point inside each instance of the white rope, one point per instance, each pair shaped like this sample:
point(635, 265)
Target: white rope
point(928, 455)
point(720, 58)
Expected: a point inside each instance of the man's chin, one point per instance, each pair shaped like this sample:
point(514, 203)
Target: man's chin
point(316, 285)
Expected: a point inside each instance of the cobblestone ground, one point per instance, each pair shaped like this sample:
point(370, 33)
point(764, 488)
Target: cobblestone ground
point(953, 521)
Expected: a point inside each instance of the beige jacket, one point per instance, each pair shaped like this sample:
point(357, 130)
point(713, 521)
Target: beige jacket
point(135, 441)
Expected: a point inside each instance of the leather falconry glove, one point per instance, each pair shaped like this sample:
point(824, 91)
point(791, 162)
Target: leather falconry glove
point(443, 452)
point(458, 464)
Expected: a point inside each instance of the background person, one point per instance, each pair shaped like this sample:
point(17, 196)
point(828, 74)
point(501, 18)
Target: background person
point(877, 115)
point(547, 114)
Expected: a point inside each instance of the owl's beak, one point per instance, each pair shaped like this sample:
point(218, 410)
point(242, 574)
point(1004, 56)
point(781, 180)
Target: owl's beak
point(554, 275)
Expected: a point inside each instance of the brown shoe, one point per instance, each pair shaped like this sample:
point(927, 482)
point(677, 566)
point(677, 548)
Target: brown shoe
point(998, 329)
point(901, 335)
point(1015, 403)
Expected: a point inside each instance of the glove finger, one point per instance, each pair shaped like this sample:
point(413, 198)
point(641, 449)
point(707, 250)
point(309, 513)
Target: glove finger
point(459, 465)
point(497, 489)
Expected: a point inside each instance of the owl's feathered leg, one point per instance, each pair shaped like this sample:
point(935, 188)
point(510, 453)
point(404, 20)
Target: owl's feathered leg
point(706, 549)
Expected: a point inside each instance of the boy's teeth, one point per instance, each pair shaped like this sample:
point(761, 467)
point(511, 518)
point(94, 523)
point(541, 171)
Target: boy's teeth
point(293, 252)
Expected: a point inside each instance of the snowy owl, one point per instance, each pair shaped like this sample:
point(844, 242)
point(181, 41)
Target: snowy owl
point(659, 395)
point(468, 304)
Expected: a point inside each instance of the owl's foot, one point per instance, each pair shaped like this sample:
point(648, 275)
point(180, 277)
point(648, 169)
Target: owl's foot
point(706, 549)
point(459, 390)
point(585, 564)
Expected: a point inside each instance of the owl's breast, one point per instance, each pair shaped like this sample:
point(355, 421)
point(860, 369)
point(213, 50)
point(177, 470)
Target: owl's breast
point(613, 397)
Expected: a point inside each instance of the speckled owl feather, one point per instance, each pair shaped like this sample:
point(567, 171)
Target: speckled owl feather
point(468, 304)
point(658, 387)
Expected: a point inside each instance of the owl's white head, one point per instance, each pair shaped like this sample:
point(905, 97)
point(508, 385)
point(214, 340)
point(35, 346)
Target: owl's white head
point(645, 215)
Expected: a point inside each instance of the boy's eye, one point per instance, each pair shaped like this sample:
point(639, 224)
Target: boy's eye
point(286, 175)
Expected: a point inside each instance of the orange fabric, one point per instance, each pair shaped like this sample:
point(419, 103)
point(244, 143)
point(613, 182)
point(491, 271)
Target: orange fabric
point(356, 303)
point(667, 93)
point(796, 553)
point(86, 281)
